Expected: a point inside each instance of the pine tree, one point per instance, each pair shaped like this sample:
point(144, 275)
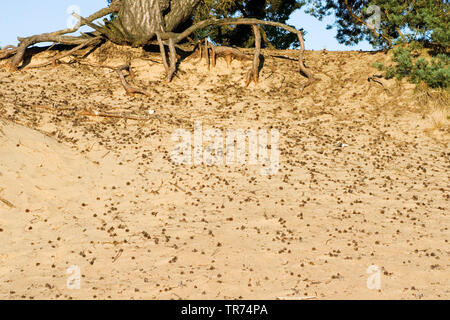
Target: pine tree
point(416, 29)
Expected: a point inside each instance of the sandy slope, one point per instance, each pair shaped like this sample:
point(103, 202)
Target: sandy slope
point(103, 194)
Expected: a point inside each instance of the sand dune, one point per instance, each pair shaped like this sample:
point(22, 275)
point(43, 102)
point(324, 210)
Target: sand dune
point(363, 180)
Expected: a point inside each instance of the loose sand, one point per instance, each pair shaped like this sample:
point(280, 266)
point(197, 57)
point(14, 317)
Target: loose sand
point(363, 180)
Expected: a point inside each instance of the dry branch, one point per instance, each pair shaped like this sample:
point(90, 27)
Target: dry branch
point(207, 53)
point(230, 54)
point(9, 204)
point(213, 55)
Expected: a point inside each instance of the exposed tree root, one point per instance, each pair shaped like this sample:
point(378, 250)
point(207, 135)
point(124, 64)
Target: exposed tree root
point(173, 60)
point(230, 54)
point(253, 73)
point(215, 52)
point(374, 79)
point(7, 51)
point(249, 21)
point(213, 55)
point(89, 42)
point(129, 89)
point(207, 46)
point(163, 53)
point(56, 37)
point(116, 33)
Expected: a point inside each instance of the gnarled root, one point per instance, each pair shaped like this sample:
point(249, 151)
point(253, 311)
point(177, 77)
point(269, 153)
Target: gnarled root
point(129, 89)
point(163, 53)
point(230, 54)
point(7, 51)
point(171, 66)
point(215, 52)
point(253, 73)
point(56, 37)
point(173, 60)
point(249, 21)
point(17, 59)
point(53, 61)
point(207, 47)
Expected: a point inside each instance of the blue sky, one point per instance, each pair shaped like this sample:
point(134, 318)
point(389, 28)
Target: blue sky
point(29, 17)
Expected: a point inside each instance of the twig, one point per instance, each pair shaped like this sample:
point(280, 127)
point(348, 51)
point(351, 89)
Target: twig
point(373, 78)
point(118, 255)
point(9, 204)
point(7, 51)
point(178, 187)
point(173, 59)
point(207, 53)
point(248, 21)
point(50, 108)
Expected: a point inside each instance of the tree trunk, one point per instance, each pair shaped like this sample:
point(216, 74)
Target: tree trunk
point(138, 21)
